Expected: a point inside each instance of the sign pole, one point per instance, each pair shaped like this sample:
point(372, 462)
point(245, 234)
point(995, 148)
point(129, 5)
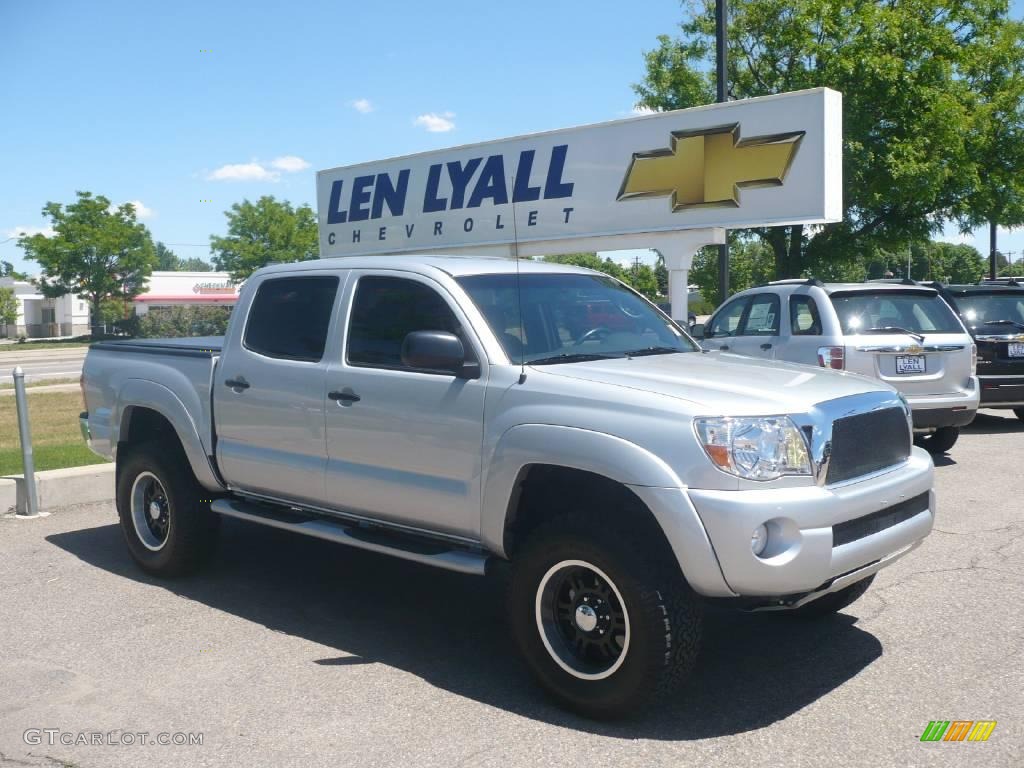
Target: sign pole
point(722, 79)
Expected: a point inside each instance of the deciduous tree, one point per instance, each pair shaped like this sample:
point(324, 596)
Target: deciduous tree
point(908, 72)
point(97, 251)
point(265, 232)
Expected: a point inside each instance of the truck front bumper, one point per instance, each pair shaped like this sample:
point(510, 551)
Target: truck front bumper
point(819, 538)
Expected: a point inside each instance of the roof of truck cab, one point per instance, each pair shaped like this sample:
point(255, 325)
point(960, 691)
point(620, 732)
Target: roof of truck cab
point(456, 266)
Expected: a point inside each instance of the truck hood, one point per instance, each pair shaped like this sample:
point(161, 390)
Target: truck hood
point(722, 382)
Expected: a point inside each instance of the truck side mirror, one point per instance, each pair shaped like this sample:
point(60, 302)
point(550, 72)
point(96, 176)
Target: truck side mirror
point(697, 331)
point(438, 351)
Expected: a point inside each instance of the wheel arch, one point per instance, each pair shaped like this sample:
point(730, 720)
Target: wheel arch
point(145, 409)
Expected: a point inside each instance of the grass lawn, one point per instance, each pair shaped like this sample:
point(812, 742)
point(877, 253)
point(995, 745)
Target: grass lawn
point(56, 441)
point(39, 383)
point(28, 346)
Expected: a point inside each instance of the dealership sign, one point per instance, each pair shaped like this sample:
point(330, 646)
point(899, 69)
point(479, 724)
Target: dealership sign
point(757, 162)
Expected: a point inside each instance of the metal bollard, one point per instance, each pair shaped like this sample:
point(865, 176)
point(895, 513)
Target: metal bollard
point(25, 433)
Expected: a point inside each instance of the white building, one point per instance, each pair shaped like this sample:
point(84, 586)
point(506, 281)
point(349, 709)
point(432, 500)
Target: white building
point(40, 317)
point(170, 289)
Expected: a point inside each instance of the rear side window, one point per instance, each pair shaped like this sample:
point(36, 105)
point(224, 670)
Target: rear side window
point(762, 317)
point(386, 310)
point(290, 316)
point(804, 319)
point(913, 311)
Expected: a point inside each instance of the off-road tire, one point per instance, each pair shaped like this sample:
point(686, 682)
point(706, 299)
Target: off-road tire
point(664, 614)
point(191, 532)
point(834, 601)
point(939, 441)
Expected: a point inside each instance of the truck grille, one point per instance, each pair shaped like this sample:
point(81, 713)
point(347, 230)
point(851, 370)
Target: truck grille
point(861, 527)
point(867, 442)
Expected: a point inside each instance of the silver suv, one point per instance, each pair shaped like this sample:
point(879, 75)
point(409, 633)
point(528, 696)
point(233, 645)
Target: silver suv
point(901, 333)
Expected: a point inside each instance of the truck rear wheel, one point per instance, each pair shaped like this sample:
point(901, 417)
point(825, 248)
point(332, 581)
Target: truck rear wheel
point(834, 601)
point(168, 527)
point(939, 441)
point(604, 621)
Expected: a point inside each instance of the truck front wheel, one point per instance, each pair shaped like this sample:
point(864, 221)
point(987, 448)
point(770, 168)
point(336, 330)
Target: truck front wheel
point(604, 620)
point(168, 527)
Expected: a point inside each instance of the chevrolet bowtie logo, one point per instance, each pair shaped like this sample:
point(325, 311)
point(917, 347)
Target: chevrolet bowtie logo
point(708, 167)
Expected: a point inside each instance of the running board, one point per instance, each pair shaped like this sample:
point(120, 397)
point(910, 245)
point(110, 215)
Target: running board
point(417, 549)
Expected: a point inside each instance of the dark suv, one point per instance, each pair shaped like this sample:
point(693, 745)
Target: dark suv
point(994, 314)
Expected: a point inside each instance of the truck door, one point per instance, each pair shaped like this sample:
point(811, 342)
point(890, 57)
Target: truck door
point(403, 445)
point(269, 393)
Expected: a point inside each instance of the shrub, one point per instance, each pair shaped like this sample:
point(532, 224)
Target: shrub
point(177, 322)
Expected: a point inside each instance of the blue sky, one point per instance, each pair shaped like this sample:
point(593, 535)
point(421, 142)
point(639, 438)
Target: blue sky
point(177, 104)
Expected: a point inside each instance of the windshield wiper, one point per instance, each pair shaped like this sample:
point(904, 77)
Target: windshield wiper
point(893, 329)
point(652, 351)
point(1004, 322)
point(567, 358)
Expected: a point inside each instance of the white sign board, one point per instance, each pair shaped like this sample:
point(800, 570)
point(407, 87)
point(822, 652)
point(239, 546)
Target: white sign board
point(758, 162)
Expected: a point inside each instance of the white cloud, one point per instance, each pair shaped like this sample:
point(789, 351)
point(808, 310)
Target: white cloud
point(289, 163)
point(258, 170)
point(29, 231)
point(639, 109)
point(142, 211)
point(436, 123)
point(243, 172)
point(362, 106)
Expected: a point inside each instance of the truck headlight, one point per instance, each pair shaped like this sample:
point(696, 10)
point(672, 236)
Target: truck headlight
point(754, 447)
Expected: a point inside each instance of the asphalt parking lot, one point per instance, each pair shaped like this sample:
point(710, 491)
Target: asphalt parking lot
point(290, 651)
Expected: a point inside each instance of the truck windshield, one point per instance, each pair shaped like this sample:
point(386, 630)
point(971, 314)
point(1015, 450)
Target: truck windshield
point(570, 318)
point(982, 308)
point(917, 312)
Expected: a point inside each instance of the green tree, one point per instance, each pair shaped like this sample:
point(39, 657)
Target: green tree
point(166, 259)
point(7, 270)
point(97, 251)
point(995, 138)
point(750, 263)
point(904, 69)
point(194, 264)
point(641, 278)
point(265, 232)
point(8, 307)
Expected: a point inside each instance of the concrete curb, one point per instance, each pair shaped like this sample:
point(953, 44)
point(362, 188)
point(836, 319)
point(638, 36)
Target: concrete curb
point(58, 488)
point(32, 389)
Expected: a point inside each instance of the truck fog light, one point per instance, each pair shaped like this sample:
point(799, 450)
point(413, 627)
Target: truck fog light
point(759, 539)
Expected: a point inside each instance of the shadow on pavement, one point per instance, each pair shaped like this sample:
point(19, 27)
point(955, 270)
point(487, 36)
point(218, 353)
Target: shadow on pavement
point(448, 629)
point(991, 424)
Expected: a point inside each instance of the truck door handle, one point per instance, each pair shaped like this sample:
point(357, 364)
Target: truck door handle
point(237, 383)
point(766, 346)
point(724, 347)
point(344, 397)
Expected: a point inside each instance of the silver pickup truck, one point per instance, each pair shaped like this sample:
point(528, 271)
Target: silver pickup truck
point(463, 413)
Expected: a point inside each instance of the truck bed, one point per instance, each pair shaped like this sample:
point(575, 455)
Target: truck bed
point(205, 346)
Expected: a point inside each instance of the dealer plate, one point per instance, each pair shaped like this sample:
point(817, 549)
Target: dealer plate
point(1015, 350)
point(910, 364)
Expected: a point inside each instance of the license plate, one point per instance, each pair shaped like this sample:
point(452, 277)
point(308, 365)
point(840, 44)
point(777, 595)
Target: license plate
point(910, 364)
point(1015, 350)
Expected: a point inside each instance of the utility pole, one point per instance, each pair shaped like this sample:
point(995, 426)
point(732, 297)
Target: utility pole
point(722, 77)
point(992, 252)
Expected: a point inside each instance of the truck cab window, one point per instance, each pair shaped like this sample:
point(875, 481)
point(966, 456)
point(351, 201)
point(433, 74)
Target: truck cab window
point(386, 310)
point(290, 317)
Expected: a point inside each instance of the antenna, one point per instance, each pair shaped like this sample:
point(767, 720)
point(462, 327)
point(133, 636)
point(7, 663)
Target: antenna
point(519, 291)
